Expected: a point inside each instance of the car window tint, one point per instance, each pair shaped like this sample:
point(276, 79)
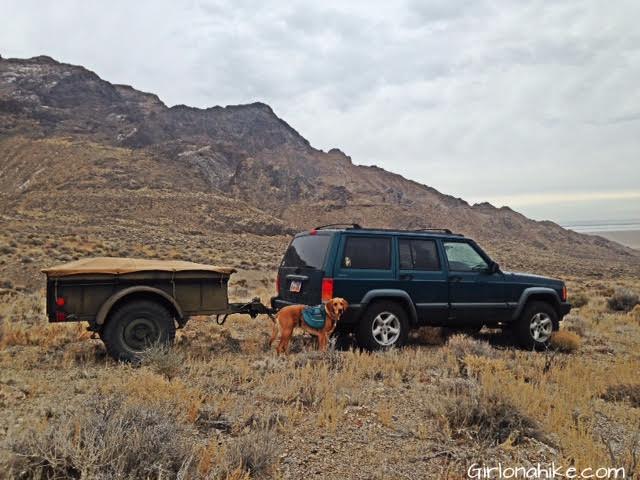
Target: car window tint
point(463, 257)
point(367, 253)
point(307, 252)
point(406, 258)
point(418, 255)
point(425, 255)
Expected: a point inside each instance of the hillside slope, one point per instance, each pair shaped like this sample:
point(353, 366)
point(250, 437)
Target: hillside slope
point(79, 154)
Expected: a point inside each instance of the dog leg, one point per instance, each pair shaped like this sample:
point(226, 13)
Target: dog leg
point(322, 342)
point(274, 331)
point(285, 336)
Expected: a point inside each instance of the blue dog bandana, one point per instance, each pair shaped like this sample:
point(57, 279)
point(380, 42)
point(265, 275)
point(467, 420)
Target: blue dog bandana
point(315, 316)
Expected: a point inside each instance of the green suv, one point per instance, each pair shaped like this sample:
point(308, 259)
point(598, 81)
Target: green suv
point(395, 280)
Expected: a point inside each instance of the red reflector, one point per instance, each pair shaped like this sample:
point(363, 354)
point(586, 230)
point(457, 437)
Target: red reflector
point(327, 289)
point(60, 302)
point(313, 232)
point(564, 293)
point(61, 316)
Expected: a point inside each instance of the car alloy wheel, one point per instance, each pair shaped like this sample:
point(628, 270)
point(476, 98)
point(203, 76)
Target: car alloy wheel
point(386, 329)
point(541, 327)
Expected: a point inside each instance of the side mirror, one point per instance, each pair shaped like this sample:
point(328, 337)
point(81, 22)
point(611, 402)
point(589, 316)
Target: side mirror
point(494, 268)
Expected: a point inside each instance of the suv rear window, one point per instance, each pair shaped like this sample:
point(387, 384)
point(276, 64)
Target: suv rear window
point(307, 252)
point(418, 255)
point(367, 253)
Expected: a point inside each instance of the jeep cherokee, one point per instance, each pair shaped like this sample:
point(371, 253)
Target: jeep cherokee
point(395, 280)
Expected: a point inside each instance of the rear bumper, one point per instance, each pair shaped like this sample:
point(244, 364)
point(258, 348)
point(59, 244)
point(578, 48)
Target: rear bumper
point(565, 308)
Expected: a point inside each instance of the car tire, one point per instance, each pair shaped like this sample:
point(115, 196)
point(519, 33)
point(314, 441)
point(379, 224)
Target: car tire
point(136, 325)
point(384, 325)
point(535, 325)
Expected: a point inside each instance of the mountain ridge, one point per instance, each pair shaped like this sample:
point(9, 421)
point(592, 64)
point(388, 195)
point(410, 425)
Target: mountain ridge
point(115, 138)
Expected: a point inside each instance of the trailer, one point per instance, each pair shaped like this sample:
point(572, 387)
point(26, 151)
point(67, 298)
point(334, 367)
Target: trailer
point(134, 303)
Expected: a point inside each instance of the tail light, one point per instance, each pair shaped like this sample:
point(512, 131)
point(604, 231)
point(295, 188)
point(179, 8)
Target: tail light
point(564, 293)
point(327, 289)
point(61, 315)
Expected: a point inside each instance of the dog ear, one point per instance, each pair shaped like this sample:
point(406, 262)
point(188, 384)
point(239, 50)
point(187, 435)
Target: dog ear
point(345, 304)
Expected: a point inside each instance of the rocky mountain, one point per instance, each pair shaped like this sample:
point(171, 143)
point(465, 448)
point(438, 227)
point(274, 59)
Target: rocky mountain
point(79, 154)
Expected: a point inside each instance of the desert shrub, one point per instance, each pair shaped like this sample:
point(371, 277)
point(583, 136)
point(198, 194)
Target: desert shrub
point(579, 299)
point(82, 352)
point(7, 250)
point(623, 300)
point(629, 393)
point(110, 438)
point(6, 284)
point(332, 358)
point(462, 345)
point(488, 417)
point(163, 360)
point(228, 343)
point(576, 324)
point(254, 453)
point(428, 336)
point(564, 341)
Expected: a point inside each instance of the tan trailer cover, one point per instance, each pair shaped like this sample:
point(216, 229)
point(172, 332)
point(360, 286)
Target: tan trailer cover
point(118, 266)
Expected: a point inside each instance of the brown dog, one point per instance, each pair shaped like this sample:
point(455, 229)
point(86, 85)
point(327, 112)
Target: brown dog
point(290, 317)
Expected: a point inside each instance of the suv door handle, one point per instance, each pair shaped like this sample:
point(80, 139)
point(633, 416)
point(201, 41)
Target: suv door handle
point(406, 276)
point(455, 278)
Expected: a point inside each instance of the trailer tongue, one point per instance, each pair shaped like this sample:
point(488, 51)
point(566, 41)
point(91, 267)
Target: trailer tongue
point(132, 303)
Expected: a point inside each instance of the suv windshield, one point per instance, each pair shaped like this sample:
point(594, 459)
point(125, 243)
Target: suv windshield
point(307, 252)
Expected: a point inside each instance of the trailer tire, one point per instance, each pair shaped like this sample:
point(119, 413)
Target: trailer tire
point(134, 326)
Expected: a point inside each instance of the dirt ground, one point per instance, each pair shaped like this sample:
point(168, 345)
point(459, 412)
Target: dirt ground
point(228, 407)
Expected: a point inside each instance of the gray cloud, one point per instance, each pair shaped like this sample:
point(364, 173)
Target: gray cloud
point(483, 100)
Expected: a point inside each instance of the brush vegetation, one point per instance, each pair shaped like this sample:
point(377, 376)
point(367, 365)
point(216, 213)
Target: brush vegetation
point(218, 405)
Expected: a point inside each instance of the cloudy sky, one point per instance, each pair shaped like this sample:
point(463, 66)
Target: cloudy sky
point(530, 104)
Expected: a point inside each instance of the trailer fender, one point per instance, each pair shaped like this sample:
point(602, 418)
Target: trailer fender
point(161, 296)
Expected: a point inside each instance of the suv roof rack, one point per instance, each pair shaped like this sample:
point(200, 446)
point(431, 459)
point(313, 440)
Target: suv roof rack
point(443, 230)
point(352, 225)
point(356, 226)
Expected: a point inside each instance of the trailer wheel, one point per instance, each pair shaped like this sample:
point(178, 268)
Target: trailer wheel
point(136, 325)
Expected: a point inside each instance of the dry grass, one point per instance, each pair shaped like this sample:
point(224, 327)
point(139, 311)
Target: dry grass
point(564, 341)
point(462, 345)
point(576, 324)
point(487, 416)
point(163, 360)
point(255, 454)
point(109, 439)
point(232, 401)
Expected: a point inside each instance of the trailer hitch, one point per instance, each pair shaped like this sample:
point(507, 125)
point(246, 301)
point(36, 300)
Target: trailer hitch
point(253, 308)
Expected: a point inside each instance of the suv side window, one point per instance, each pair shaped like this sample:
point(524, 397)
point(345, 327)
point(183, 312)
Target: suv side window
point(418, 255)
point(367, 253)
point(463, 257)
